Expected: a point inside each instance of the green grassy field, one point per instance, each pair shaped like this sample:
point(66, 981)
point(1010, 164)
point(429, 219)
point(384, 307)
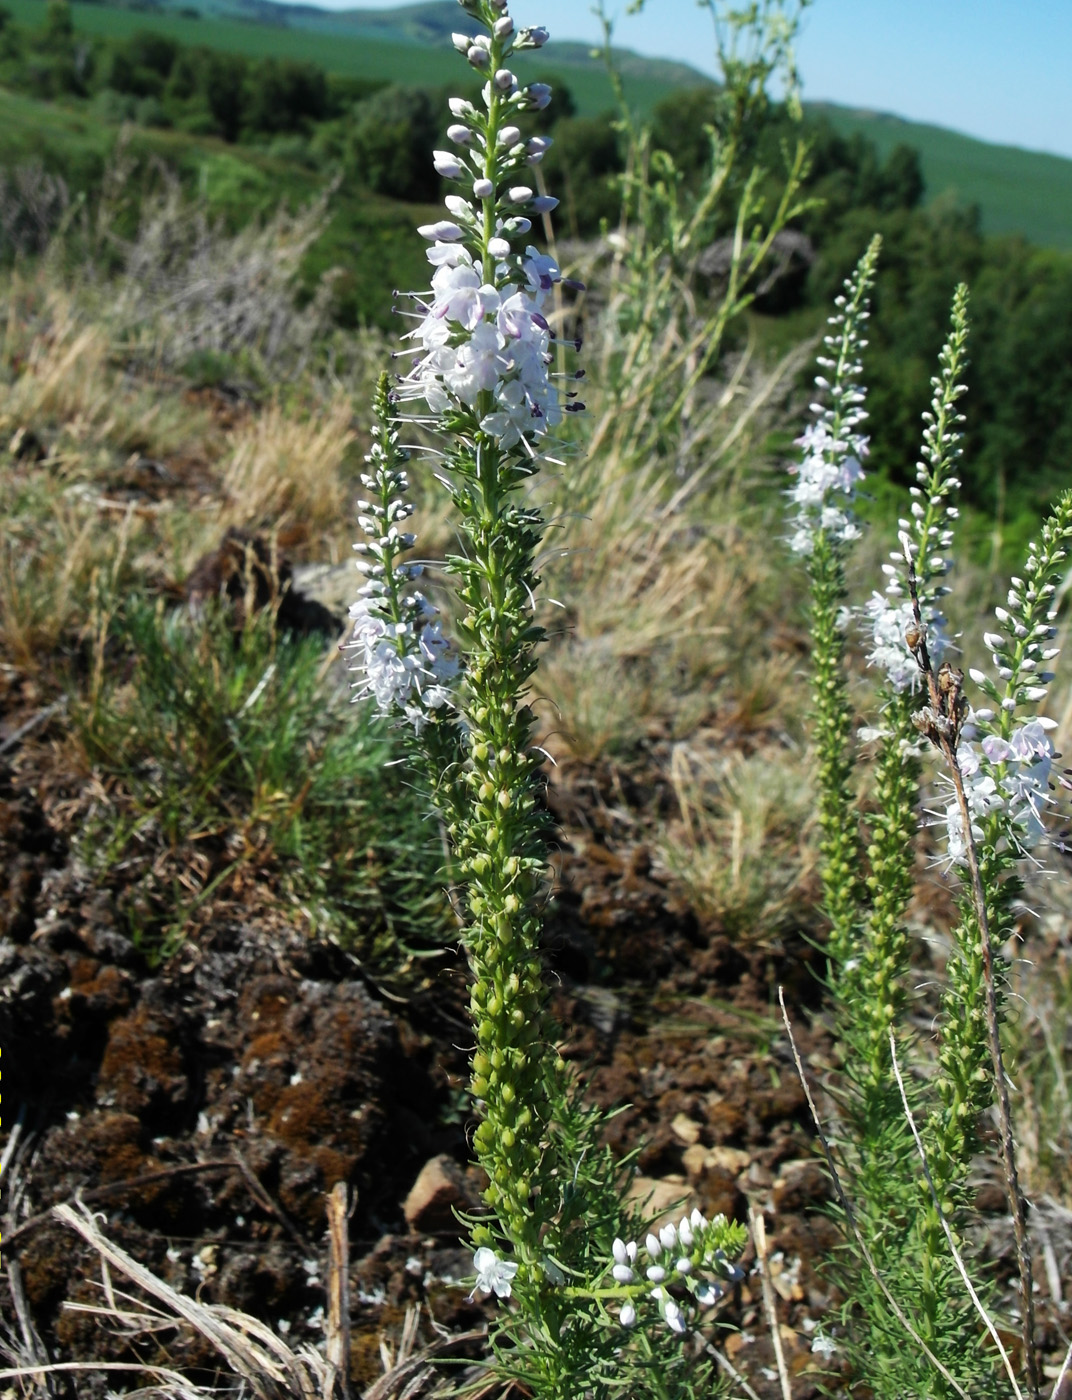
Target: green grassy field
point(351, 55)
point(1017, 191)
point(373, 239)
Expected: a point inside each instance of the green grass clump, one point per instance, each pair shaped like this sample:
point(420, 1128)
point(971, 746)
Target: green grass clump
point(230, 763)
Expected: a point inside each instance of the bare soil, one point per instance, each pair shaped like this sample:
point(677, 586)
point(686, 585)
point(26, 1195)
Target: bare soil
point(206, 1106)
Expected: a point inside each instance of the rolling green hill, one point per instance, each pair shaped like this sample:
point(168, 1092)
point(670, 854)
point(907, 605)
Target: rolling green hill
point(343, 44)
point(1017, 191)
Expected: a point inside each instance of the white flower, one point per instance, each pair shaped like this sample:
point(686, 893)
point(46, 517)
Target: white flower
point(706, 1293)
point(462, 296)
point(624, 1257)
point(627, 1316)
point(669, 1310)
point(493, 1275)
point(824, 1346)
point(982, 796)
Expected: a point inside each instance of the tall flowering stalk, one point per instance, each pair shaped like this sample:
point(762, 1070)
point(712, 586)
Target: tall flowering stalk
point(999, 765)
point(480, 363)
point(882, 961)
point(582, 1308)
point(823, 526)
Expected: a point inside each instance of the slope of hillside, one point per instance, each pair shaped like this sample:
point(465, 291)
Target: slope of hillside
point(1017, 191)
point(344, 44)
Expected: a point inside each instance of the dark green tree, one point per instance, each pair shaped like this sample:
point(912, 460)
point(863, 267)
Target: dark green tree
point(389, 143)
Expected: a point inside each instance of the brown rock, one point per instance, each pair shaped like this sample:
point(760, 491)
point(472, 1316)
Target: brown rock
point(441, 1188)
point(799, 1185)
point(661, 1199)
point(686, 1128)
point(720, 1195)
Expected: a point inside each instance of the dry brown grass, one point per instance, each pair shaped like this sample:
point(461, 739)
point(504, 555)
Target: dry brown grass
point(66, 386)
point(745, 844)
point(284, 467)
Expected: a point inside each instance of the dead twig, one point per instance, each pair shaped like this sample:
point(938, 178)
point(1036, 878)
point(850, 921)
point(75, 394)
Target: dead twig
point(114, 1188)
point(730, 1370)
point(15, 738)
point(33, 1348)
point(759, 1234)
point(265, 1201)
point(338, 1320)
point(1065, 1372)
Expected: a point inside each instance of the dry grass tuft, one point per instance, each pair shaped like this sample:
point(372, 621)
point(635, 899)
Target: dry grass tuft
point(284, 468)
point(745, 845)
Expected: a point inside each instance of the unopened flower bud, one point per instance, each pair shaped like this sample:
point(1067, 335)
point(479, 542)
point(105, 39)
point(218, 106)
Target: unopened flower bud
point(509, 136)
point(503, 27)
point(462, 42)
point(538, 96)
point(532, 37)
point(442, 232)
point(519, 194)
point(505, 80)
point(543, 204)
point(446, 164)
point(459, 107)
point(460, 135)
point(483, 189)
point(478, 57)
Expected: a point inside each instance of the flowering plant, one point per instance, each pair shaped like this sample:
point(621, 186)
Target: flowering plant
point(477, 368)
point(998, 765)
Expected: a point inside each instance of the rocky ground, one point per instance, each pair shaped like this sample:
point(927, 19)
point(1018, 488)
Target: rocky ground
point(205, 1107)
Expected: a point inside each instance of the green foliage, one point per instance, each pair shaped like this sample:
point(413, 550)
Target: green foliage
point(388, 142)
point(227, 755)
point(584, 167)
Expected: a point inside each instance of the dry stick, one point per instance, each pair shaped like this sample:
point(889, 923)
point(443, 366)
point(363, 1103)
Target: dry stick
point(759, 1234)
point(850, 1214)
point(943, 732)
point(35, 1348)
point(338, 1329)
point(265, 1201)
point(976, 1300)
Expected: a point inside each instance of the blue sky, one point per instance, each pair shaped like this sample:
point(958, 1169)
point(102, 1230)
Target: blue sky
point(997, 69)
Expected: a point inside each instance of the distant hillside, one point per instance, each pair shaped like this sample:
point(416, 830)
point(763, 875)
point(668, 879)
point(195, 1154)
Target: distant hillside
point(407, 45)
point(428, 23)
point(1017, 191)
